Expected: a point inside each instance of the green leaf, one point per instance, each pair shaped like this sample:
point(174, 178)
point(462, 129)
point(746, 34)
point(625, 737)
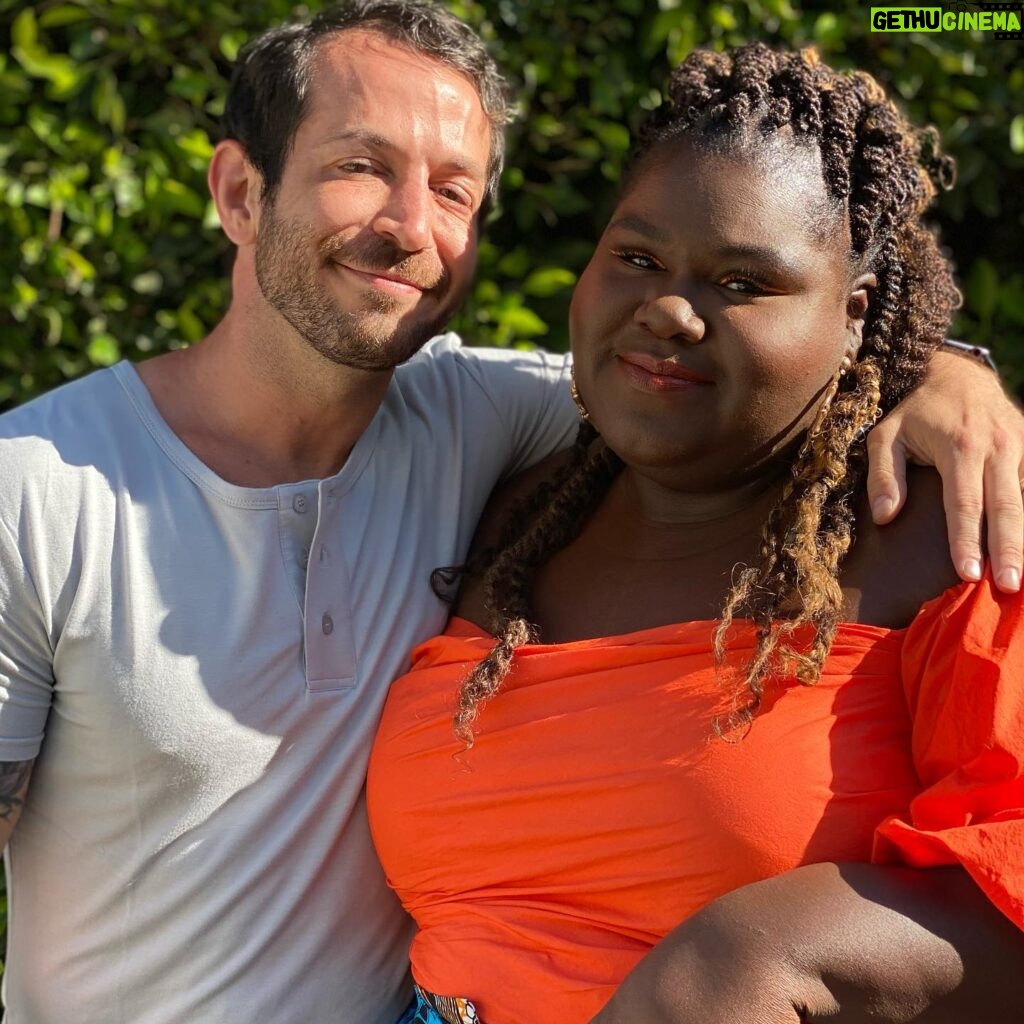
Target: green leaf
point(148, 283)
point(547, 281)
point(231, 43)
point(514, 264)
point(24, 32)
point(523, 322)
point(54, 324)
point(1011, 300)
point(614, 136)
point(196, 143)
point(982, 289)
point(828, 28)
point(723, 17)
point(176, 196)
point(25, 293)
point(37, 194)
point(190, 325)
point(60, 70)
point(65, 14)
point(965, 99)
point(211, 218)
point(107, 104)
point(103, 350)
point(1017, 134)
point(78, 264)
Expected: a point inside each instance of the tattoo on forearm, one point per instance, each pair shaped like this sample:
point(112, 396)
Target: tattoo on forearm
point(13, 778)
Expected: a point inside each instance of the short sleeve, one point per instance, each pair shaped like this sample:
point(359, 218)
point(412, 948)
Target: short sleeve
point(530, 393)
point(963, 673)
point(26, 660)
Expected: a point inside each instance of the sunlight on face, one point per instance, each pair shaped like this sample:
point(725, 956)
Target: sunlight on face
point(369, 245)
point(714, 311)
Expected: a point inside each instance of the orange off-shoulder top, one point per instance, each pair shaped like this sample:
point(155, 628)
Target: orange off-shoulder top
point(598, 809)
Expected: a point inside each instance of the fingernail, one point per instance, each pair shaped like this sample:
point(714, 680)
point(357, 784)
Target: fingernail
point(1009, 579)
point(882, 507)
point(972, 569)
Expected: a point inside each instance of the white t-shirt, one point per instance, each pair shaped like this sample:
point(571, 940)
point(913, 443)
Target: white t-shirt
point(194, 845)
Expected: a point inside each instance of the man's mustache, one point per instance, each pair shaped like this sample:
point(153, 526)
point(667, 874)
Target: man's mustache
point(374, 255)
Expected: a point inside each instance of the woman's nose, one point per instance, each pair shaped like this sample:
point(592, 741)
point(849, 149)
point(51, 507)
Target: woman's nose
point(671, 316)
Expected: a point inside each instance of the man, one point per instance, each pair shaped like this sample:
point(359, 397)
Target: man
point(211, 567)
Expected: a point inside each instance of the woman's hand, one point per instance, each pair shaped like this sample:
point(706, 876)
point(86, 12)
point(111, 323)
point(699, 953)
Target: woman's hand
point(960, 421)
point(843, 943)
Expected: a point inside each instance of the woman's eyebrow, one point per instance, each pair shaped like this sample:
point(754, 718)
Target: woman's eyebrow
point(764, 255)
point(761, 254)
point(639, 226)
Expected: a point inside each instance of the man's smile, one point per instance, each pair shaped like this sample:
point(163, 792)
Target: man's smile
point(387, 281)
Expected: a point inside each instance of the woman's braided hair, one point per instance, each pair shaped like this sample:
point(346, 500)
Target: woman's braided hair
point(882, 173)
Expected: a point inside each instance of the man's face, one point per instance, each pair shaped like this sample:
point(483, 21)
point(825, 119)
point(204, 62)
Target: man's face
point(369, 245)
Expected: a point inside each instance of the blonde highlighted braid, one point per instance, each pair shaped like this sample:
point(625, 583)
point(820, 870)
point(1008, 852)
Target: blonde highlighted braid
point(542, 523)
point(881, 174)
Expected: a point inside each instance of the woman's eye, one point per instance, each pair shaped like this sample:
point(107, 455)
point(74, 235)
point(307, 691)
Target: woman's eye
point(743, 285)
point(640, 260)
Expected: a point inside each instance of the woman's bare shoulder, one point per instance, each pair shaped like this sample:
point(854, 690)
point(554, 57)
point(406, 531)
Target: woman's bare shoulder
point(896, 568)
point(497, 513)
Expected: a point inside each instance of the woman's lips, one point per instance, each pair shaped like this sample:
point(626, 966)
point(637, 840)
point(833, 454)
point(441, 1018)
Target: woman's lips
point(654, 375)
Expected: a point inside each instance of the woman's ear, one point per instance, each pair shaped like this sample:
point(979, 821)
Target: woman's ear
point(858, 302)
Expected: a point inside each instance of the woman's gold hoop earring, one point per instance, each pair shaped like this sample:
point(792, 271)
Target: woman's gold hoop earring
point(832, 389)
point(576, 398)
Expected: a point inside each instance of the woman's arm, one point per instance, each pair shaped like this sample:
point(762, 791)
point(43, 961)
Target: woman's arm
point(846, 943)
point(940, 942)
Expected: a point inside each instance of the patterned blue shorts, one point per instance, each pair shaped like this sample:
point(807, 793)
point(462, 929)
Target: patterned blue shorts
point(426, 1008)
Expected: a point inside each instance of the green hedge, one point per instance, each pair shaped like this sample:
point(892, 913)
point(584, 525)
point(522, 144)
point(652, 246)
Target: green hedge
point(109, 112)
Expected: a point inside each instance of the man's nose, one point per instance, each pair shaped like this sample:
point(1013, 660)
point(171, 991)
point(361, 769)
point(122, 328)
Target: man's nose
point(405, 218)
point(670, 316)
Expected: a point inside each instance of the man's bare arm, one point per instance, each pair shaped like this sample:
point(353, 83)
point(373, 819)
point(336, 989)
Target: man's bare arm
point(14, 776)
point(961, 422)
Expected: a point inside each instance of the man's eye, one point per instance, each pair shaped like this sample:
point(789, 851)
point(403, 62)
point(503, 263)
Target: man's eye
point(357, 167)
point(454, 195)
point(634, 258)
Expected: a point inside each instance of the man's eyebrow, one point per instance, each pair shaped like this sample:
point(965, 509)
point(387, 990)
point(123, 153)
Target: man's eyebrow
point(371, 138)
point(374, 140)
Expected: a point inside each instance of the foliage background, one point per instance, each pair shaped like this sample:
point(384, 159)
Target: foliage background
point(109, 247)
point(108, 113)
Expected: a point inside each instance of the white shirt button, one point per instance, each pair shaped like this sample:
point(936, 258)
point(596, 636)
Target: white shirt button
point(299, 503)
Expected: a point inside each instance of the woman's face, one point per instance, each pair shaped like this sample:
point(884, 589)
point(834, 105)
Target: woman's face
point(717, 307)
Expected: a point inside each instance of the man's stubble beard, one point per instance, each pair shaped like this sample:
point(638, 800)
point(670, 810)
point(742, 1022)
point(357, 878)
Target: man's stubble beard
point(289, 259)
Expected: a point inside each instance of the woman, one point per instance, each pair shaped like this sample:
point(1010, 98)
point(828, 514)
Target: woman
point(637, 630)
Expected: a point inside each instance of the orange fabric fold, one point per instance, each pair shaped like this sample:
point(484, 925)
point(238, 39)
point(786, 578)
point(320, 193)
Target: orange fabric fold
point(597, 809)
point(963, 675)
